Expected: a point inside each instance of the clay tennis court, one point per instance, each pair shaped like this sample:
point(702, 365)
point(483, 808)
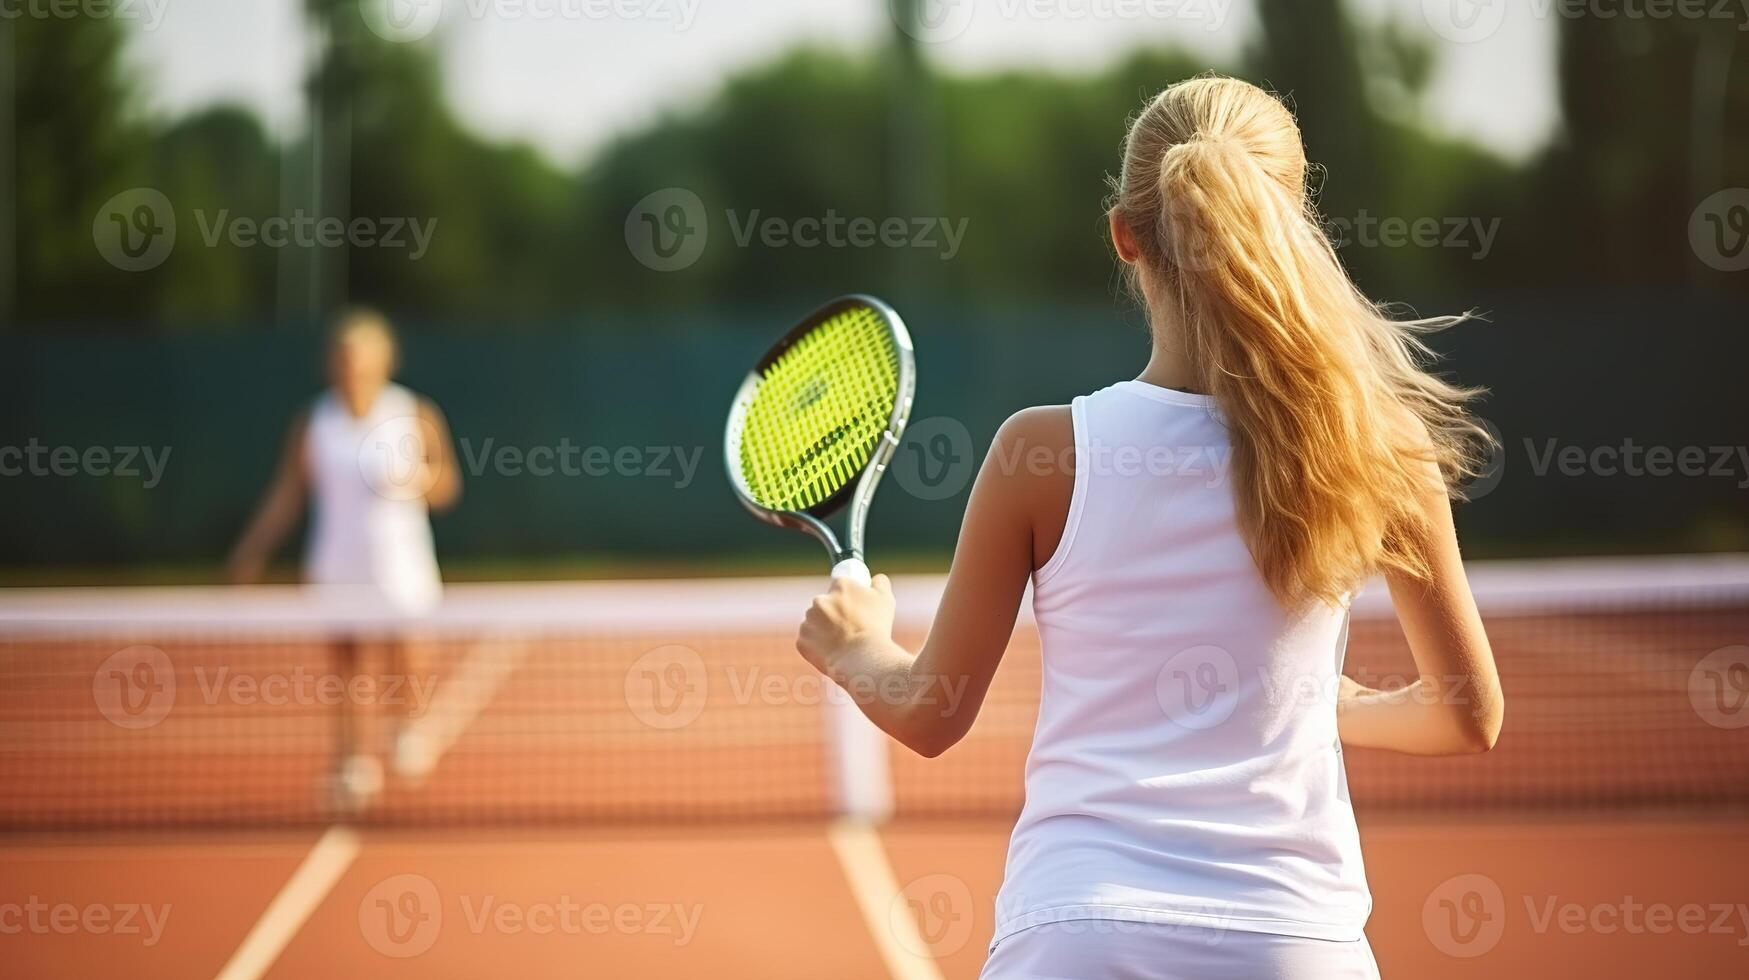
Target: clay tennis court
point(642, 779)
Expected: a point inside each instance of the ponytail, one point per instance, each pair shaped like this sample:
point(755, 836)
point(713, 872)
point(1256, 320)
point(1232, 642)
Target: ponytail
point(1338, 431)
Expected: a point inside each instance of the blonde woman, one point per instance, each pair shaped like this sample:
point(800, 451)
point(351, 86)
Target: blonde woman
point(373, 459)
point(1186, 809)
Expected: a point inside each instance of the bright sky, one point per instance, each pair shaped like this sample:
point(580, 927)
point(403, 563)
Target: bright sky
point(568, 74)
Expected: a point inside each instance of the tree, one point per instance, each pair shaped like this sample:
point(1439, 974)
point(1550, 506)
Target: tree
point(78, 144)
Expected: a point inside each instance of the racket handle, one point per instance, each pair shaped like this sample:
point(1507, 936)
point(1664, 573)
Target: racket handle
point(854, 569)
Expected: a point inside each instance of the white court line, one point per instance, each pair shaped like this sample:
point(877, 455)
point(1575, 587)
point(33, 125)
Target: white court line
point(480, 677)
point(864, 860)
point(460, 700)
point(302, 893)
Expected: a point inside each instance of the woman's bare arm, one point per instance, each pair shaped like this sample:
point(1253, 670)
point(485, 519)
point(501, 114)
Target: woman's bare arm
point(446, 478)
point(278, 512)
point(929, 700)
point(1455, 706)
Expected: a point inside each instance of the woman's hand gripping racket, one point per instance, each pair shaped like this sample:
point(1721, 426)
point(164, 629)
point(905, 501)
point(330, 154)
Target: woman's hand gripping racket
point(817, 420)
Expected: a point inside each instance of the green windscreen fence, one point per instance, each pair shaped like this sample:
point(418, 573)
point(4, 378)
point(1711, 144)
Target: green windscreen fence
point(589, 438)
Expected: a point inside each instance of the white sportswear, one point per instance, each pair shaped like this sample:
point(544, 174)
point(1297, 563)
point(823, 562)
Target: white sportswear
point(1185, 769)
point(369, 524)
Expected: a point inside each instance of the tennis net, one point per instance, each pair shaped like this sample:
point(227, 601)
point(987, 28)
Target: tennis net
point(1628, 685)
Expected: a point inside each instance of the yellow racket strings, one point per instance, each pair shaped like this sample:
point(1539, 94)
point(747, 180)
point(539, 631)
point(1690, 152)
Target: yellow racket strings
point(819, 411)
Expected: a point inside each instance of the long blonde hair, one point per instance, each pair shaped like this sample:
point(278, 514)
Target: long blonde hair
point(1337, 427)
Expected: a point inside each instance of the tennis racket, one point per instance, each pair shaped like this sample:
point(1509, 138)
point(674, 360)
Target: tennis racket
point(817, 419)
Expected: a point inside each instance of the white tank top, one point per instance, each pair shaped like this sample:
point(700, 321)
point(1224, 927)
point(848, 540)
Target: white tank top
point(1186, 767)
point(369, 523)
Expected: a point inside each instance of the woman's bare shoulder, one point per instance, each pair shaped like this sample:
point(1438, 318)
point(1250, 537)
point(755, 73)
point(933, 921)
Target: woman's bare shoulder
point(1034, 455)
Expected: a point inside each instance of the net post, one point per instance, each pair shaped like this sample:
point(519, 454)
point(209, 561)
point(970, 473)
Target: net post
point(860, 772)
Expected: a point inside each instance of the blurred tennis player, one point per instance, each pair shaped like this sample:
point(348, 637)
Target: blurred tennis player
point(1186, 810)
point(374, 459)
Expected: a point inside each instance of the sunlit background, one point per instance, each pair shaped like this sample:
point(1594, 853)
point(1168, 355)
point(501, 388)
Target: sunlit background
point(1576, 180)
point(586, 218)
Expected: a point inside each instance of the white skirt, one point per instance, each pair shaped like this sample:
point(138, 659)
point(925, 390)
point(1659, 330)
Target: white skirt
point(1105, 949)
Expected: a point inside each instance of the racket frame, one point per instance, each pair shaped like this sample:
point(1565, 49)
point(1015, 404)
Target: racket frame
point(859, 493)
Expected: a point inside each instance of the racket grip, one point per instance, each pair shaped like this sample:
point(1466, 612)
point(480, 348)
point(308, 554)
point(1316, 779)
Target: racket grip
point(854, 569)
